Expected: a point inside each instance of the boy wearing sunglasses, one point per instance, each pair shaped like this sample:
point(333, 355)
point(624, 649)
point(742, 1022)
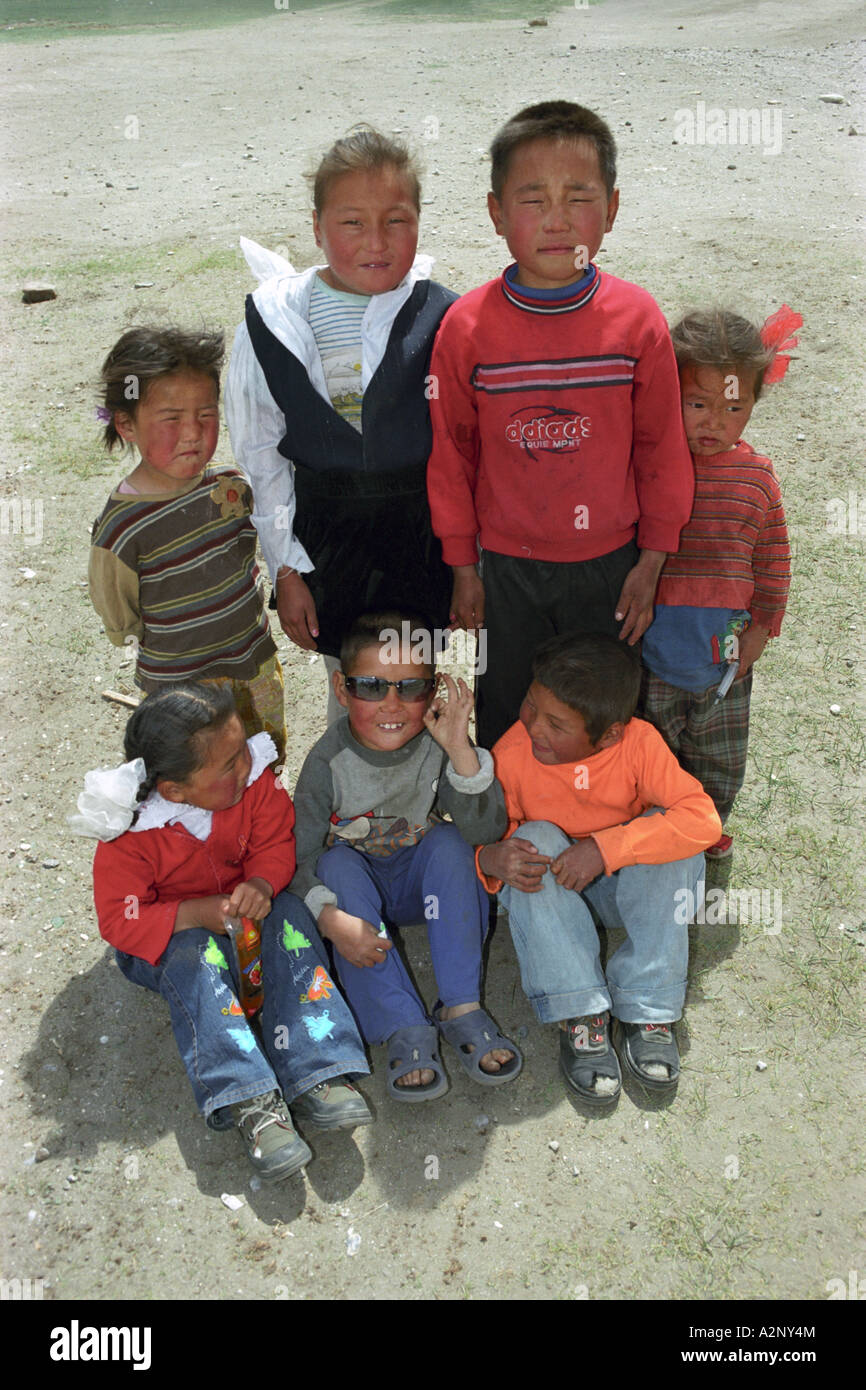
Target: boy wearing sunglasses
point(373, 846)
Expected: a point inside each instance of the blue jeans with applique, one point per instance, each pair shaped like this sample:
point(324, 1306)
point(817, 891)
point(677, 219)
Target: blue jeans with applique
point(557, 945)
point(307, 1033)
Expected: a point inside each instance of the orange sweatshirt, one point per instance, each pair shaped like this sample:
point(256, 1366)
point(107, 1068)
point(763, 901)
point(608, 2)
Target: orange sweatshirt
point(606, 796)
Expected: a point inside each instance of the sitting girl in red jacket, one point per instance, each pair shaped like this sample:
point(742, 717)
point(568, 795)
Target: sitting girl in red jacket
point(195, 829)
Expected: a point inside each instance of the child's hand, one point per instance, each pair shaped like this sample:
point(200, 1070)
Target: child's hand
point(297, 611)
point(250, 899)
point(447, 720)
point(517, 862)
point(578, 865)
point(634, 607)
point(206, 912)
point(750, 645)
point(467, 598)
point(357, 941)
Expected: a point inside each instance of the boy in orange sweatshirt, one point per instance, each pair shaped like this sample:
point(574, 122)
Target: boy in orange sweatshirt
point(609, 821)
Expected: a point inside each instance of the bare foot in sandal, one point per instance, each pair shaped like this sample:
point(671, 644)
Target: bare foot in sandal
point(416, 1078)
point(491, 1061)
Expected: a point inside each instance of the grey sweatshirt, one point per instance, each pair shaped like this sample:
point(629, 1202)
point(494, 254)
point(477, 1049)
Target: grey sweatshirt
point(381, 802)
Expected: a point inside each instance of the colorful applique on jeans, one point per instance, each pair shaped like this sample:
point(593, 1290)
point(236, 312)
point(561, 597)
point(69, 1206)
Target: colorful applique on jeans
point(293, 940)
point(320, 1026)
point(319, 989)
point(243, 1037)
point(214, 956)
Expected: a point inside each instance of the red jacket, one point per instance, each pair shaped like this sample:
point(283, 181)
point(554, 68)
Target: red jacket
point(556, 436)
point(140, 878)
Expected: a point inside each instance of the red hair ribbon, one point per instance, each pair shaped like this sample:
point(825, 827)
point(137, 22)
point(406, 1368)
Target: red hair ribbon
point(778, 333)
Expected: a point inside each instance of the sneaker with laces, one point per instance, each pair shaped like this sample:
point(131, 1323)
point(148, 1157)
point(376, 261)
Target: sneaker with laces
point(650, 1054)
point(332, 1105)
point(274, 1148)
point(588, 1062)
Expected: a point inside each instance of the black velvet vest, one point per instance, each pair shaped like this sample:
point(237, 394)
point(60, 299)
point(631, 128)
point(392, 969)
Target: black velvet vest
point(361, 510)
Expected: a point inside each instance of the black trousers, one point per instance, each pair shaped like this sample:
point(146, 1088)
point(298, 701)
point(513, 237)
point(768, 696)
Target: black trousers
point(371, 541)
point(525, 603)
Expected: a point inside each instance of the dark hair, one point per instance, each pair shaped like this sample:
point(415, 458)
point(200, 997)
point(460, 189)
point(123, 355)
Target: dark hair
point(724, 340)
point(389, 626)
point(171, 728)
point(594, 674)
point(364, 150)
point(142, 355)
point(552, 120)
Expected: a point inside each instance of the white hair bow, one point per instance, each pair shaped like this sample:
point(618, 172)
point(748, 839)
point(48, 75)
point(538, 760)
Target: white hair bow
point(109, 800)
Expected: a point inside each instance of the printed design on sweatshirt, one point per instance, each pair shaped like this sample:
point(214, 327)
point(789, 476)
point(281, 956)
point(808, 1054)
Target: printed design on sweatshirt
point(547, 428)
point(352, 829)
point(557, 374)
point(386, 836)
point(293, 940)
point(319, 988)
point(320, 1026)
point(230, 495)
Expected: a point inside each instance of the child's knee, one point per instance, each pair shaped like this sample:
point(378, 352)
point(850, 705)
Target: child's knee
point(547, 837)
point(445, 843)
point(187, 947)
point(336, 863)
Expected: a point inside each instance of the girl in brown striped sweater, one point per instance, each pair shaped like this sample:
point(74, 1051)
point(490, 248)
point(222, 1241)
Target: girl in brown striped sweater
point(173, 555)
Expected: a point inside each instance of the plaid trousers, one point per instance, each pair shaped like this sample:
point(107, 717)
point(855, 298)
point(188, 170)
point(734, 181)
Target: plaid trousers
point(710, 740)
point(260, 702)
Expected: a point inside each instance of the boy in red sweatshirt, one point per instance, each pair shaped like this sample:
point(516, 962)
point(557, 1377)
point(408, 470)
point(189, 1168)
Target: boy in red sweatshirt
point(558, 444)
point(605, 820)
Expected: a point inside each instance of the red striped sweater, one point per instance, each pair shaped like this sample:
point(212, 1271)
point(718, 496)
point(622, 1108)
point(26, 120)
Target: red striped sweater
point(734, 550)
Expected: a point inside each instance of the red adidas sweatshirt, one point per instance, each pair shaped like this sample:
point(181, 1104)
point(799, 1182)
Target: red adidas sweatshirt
point(557, 431)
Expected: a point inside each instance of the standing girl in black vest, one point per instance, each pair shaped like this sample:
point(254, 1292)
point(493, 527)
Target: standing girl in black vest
point(327, 403)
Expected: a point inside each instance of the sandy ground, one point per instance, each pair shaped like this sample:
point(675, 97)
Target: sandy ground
point(140, 160)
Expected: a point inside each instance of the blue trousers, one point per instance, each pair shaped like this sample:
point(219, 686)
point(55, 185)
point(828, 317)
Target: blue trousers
point(308, 1034)
point(557, 944)
point(434, 880)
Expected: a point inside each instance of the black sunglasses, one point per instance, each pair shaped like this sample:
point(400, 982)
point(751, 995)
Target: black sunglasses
point(376, 687)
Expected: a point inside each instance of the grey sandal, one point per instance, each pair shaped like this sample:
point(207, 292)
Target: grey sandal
point(414, 1049)
point(474, 1035)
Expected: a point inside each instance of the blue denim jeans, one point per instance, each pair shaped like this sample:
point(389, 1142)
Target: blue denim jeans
point(434, 881)
point(557, 944)
point(308, 1034)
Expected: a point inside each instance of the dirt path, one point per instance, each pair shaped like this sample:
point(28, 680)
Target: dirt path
point(139, 162)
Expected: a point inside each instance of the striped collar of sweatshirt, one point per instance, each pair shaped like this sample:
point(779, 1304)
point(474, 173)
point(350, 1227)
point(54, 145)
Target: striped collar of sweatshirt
point(556, 301)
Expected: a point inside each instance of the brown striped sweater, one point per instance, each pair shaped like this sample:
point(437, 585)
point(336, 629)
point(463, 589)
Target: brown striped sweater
point(177, 571)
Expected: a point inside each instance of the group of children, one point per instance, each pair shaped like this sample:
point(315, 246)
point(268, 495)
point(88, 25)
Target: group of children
point(581, 471)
